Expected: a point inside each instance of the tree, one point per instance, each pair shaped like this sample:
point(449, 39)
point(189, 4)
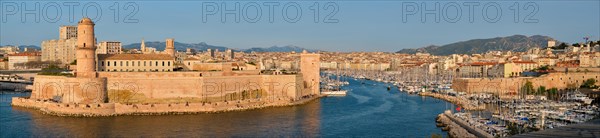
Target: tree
point(541, 90)
point(528, 88)
point(561, 46)
point(552, 92)
point(589, 83)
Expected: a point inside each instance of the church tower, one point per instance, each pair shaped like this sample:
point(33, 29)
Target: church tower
point(170, 49)
point(86, 56)
point(143, 47)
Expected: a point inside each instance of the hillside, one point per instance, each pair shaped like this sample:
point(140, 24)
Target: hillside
point(160, 46)
point(203, 46)
point(515, 43)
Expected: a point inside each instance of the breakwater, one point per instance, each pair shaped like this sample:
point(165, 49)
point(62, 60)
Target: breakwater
point(461, 128)
point(462, 102)
point(454, 130)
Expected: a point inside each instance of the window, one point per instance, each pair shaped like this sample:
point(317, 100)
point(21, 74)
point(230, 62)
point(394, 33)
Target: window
point(107, 63)
point(156, 63)
point(139, 63)
point(126, 63)
point(169, 63)
point(102, 63)
point(163, 63)
point(115, 63)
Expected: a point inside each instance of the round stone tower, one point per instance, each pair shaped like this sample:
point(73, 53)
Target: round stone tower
point(170, 49)
point(86, 49)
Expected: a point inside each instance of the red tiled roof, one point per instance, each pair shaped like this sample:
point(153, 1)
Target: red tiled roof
point(525, 62)
point(483, 63)
point(191, 58)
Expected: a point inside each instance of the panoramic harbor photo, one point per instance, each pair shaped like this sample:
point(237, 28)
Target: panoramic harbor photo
point(459, 69)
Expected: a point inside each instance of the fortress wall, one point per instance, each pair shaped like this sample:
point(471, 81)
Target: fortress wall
point(163, 87)
point(246, 72)
point(144, 86)
point(506, 86)
point(167, 87)
point(69, 90)
point(283, 86)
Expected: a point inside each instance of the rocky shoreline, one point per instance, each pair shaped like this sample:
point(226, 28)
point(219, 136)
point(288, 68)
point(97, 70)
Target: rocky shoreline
point(454, 130)
point(116, 109)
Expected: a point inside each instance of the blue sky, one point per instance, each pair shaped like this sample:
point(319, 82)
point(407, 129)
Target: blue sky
point(356, 26)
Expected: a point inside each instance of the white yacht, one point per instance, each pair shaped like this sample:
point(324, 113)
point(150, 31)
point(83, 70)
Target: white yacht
point(577, 96)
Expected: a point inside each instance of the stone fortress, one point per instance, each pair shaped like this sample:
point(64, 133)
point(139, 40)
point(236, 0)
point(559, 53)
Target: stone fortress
point(95, 91)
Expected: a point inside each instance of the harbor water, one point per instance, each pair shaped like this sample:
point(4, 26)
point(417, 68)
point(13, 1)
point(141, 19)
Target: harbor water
point(368, 110)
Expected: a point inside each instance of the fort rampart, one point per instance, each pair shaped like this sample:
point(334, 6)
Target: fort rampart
point(512, 86)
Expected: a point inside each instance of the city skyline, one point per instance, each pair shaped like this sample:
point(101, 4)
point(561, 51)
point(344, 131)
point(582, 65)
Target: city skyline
point(356, 26)
point(181, 68)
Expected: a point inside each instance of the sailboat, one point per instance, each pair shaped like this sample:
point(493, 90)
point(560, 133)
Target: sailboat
point(336, 91)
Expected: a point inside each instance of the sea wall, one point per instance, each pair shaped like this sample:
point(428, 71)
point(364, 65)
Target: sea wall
point(123, 93)
point(169, 87)
point(66, 109)
point(113, 109)
point(511, 86)
point(454, 130)
point(472, 129)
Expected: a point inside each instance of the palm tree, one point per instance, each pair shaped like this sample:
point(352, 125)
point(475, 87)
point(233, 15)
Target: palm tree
point(528, 88)
point(541, 90)
point(552, 92)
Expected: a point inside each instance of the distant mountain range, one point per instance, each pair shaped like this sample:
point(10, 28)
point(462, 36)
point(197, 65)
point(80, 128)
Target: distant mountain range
point(203, 46)
point(287, 48)
point(160, 46)
point(25, 46)
point(515, 43)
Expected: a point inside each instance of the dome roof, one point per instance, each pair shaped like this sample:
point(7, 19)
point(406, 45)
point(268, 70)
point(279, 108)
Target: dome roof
point(86, 20)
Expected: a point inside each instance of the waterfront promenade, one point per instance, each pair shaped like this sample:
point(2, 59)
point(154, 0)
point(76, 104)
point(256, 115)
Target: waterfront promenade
point(590, 129)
